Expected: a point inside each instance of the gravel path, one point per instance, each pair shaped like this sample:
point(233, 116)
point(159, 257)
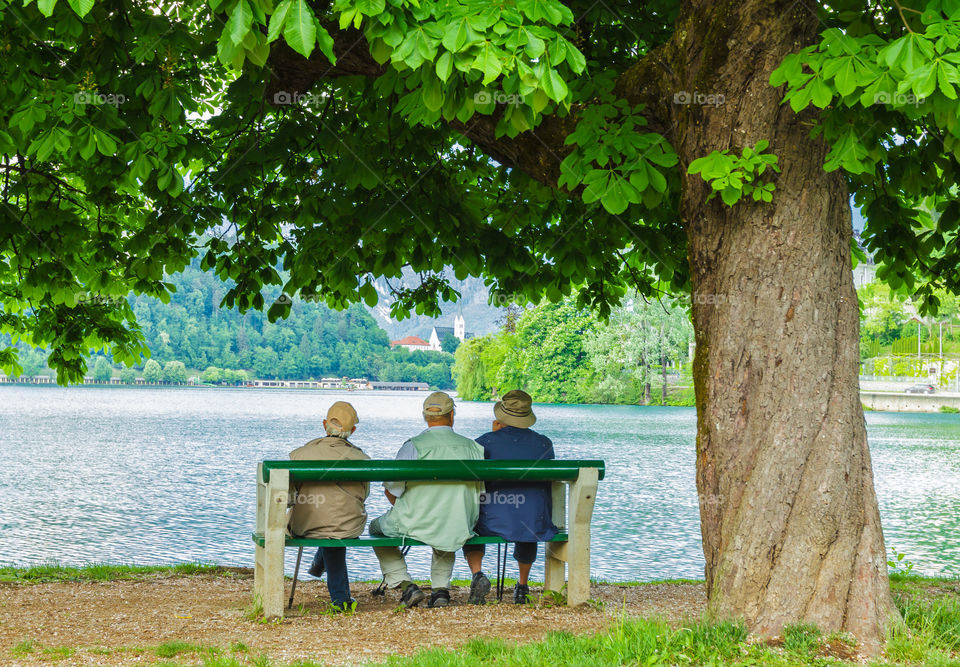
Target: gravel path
point(122, 622)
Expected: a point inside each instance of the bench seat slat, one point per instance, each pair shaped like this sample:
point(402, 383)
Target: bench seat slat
point(383, 541)
point(432, 470)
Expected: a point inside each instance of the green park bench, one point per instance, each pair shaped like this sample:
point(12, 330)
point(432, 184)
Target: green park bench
point(570, 547)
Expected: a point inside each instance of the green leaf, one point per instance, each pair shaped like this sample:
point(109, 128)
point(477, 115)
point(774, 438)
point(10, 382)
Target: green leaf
point(459, 35)
point(81, 7)
point(371, 7)
point(730, 195)
point(488, 62)
point(46, 7)
point(846, 79)
point(238, 25)
point(90, 144)
point(947, 76)
point(432, 94)
point(444, 66)
point(105, 143)
point(277, 20)
point(618, 195)
point(848, 153)
point(534, 46)
point(821, 93)
point(300, 30)
point(575, 59)
point(325, 42)
point(554, 86)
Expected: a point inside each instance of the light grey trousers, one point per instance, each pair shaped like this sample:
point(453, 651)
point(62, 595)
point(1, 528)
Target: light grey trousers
point(394, 565)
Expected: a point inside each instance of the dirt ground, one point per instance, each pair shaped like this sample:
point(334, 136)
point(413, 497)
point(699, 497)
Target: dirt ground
point(123, 622)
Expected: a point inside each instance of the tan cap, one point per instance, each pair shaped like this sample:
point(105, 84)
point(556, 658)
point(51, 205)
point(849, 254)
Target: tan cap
point(342, 415)
point(437, 405)
point(514, 409)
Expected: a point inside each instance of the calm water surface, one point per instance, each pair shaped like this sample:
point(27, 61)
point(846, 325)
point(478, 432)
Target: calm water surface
point(152, 475)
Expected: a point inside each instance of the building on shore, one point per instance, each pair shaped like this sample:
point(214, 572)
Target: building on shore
point(399, 386)
point(412, 343)
point(458, 331)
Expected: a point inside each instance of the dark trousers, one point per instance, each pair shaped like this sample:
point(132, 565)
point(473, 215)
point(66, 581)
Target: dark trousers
point(523, 552)
point(334, 559)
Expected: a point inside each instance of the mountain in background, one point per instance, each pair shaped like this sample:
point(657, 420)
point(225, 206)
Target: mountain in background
point(480, 317)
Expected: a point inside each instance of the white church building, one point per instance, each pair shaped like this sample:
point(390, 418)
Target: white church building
point(458, 330)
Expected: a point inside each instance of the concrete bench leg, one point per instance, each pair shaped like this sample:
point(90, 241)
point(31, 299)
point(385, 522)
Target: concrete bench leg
point(554, 566)
point(582, 494)
point(272, 521)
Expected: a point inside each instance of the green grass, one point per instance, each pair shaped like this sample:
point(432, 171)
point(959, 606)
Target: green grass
point(24, 648)
point(172, 649)
point(52, 572)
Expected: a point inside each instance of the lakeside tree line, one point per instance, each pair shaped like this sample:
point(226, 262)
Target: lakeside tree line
point(560, 353)
point(192, 335)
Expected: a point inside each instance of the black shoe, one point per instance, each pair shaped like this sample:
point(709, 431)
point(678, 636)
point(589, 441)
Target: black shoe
point(439, 598)
point(479, 587)
point(520, 593)
point(412, 596)
point(349, 605)
point(316, 569)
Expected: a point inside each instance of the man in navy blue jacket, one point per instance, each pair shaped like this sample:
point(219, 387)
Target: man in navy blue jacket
point(516, 511)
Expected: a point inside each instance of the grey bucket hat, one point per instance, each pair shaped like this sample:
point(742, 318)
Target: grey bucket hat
point(514, 409)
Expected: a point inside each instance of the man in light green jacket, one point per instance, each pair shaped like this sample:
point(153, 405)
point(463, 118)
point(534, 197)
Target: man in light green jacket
point(441, 514)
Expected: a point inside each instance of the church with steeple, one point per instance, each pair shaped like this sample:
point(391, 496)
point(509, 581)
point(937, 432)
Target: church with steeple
point(458, 331)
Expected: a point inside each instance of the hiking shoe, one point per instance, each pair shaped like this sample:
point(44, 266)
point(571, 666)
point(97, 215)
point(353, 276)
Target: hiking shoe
point(520, 593)
point(346, 606)
point(439, 598)
point(412, 596)
point(479, 587)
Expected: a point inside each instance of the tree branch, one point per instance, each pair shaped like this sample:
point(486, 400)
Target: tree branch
point(537, 153)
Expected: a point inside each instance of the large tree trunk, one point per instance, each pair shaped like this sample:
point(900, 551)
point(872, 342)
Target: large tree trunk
point(791, 529)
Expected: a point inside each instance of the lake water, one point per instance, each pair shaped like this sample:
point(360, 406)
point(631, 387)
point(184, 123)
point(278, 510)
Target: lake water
point(154, 475)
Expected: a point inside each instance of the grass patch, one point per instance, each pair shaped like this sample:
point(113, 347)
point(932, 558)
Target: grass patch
point(172, 649)
point(58, 652)
point(24, 648)
point(52, 572)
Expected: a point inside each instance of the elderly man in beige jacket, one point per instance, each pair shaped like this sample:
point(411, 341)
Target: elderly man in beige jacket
point(331, 510)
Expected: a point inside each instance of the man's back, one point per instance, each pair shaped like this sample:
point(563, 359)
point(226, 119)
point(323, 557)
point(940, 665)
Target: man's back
point(329, 509)
point(441, 514)
point(516, 511)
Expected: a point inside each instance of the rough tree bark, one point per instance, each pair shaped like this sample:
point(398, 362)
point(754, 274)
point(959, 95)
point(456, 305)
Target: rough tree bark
point(790, 524)
point(789, 518)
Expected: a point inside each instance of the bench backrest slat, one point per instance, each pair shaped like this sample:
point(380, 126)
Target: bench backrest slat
point(432, 470)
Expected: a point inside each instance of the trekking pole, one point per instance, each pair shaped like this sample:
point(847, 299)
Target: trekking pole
point(296, 571)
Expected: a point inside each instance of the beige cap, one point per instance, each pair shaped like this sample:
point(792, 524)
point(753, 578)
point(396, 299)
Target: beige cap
point(342, 415)
point(437, 405)
point(514, 409)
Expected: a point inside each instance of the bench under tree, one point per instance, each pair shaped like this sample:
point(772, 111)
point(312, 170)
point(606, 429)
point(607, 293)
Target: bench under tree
point(574, 486)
